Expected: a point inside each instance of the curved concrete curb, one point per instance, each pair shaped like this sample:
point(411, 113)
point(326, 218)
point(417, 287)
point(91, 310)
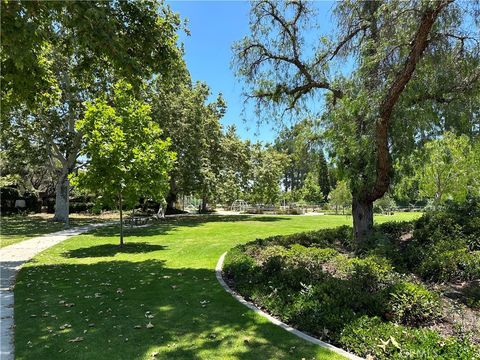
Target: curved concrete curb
point(218, 273)
point(12, 257)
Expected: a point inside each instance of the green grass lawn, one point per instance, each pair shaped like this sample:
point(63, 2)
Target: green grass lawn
point(16, 228)
point(87, 299)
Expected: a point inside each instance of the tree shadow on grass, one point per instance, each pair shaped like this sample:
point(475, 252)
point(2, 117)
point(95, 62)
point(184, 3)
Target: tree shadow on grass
point(105, 250)
point(18, 225)
point(107, 305)
point(172, 223)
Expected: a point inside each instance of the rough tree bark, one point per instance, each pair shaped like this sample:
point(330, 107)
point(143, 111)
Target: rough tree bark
point(362, 213)
point(362, 204)
point(172, 197)
point(204, 208)
point(68, 162)
point(61, 199)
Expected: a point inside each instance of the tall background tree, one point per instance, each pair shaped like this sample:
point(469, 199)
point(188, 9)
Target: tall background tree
point(266, 168)
point(182, 110)
point(57, 55)
point(234, 174)
point(396, 48)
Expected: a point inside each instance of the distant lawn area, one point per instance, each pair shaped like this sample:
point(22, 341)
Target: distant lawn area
point(16, 228)
point(157, 297)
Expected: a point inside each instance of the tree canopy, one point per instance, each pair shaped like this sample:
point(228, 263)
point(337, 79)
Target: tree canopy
point(127, 157)
point(58, 55)
point(395, 47)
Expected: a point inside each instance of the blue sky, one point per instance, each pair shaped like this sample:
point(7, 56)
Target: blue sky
point(214, 26)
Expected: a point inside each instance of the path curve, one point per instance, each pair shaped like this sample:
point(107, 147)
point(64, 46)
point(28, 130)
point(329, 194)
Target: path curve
point(251, 306)
point(12, 257)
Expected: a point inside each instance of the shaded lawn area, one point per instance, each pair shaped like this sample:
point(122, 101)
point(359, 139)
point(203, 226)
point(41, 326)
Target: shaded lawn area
point(16, 228)
point(88, 290)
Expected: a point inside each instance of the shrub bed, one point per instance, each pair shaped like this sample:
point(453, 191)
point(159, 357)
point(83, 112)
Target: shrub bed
point(376, 301)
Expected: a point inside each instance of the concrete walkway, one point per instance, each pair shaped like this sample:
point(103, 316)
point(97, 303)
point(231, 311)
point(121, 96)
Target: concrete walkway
point(12, 257)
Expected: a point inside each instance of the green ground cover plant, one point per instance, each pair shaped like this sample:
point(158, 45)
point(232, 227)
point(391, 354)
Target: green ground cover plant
point(377, 300)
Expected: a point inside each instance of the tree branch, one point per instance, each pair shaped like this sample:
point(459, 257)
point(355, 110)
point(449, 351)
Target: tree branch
point(419, 43)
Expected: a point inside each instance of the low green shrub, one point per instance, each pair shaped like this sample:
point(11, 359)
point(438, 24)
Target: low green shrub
point(372, 273)
point(446, 243)
point(450, 265)
point(77, 207)
point(319, 282)
point(240, 268)
point(341, 235)
point(412, 304)
point(393, 230)
point(33, 204)
point(370, 336)
point(8, 195)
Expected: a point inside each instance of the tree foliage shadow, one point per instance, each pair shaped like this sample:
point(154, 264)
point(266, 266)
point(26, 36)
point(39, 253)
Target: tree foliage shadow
point(206, 218)
point(32, 226)
point(105, 250)
point(17, 225)
point(191, 314)
point(170, 224)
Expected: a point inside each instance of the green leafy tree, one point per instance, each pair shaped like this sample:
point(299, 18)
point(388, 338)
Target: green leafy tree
point(58, 55)
point(399, 51)
point(235, 169)
point(323, 176)
point(183, 112)
point(266, 169)
point(311, 191)
point(211, 151)
point(386, 203)
point(302, 145)
point(447, 168)
point(135, 39)
point(127, 157)
point(340, 196)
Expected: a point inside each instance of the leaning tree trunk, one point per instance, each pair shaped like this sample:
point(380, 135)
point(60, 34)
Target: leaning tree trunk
point(61, 199)
point(362, 212)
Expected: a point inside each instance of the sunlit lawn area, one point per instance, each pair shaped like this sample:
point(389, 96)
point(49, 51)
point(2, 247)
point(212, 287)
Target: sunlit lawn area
point(88, 299)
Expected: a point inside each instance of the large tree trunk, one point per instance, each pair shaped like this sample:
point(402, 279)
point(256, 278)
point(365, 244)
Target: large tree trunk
point(204, 208)
point(172, 196)
point(171, 201)
point(61, 200)
point(362, 212)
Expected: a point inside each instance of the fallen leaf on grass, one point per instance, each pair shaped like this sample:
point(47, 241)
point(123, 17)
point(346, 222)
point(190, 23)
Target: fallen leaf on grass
point(77, 339)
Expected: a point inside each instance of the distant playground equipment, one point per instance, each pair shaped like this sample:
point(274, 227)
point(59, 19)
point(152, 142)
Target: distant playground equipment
point(239, 205)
